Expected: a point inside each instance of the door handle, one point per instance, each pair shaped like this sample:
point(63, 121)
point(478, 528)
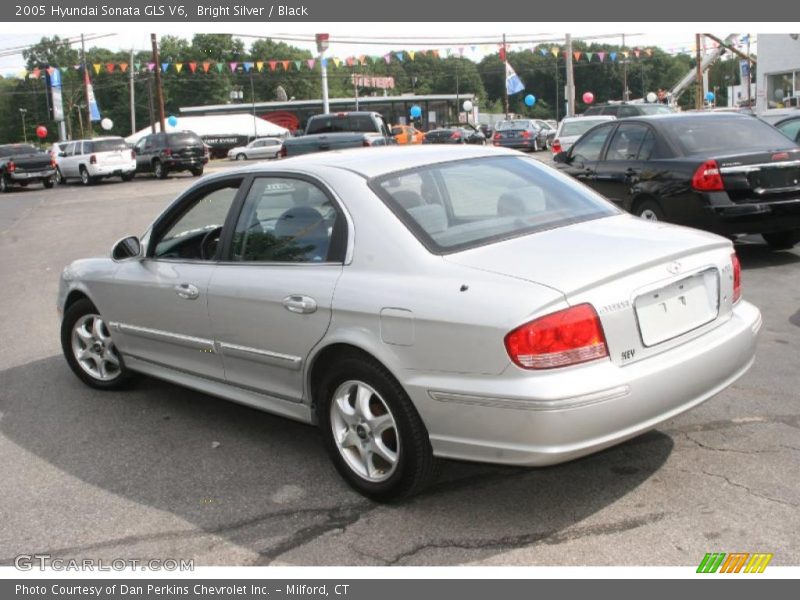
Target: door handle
point(187, 291)
point(631, 173)
point(300, 304)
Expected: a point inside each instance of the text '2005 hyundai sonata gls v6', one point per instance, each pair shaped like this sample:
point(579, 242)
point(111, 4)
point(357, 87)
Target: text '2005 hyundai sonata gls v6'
point(412, 303)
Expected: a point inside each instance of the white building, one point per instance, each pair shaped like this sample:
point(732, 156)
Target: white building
point(778, 71)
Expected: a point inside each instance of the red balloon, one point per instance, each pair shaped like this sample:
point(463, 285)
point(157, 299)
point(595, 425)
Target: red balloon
point(41, 132)
point(588, 97)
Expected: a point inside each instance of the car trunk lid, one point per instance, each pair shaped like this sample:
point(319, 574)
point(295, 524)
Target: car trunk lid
point(761, 176)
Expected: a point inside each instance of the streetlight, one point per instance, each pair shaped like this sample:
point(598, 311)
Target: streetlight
point(23, 112)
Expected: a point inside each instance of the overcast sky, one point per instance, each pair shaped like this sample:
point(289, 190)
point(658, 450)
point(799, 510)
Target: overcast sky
point(670, 37)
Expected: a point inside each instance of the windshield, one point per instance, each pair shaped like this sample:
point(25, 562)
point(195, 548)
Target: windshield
point(712, 135)
point(578, 127)
point(506, 125)
point(655, 109)
point(462, 204)
point(17, 149)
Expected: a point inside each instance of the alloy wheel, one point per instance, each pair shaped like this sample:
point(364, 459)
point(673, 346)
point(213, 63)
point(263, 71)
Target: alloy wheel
point(365, 431)
point(94, 349)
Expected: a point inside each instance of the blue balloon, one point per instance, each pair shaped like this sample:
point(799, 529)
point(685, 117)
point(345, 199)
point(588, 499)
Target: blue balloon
point(710, 96)
point(530, 99)
point(416, 112)
point(173, 121)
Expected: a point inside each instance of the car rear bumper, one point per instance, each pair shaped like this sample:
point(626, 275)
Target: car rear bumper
point(537, 419)
point(177, 164)
point(522, 144)
point(763, 217)
point(25, 176)
point(112, 170)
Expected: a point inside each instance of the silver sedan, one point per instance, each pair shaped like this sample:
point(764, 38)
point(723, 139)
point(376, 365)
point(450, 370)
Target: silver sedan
point(471, 304)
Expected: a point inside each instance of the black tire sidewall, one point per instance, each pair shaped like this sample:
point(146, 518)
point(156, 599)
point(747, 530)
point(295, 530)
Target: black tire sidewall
point(415, 452)
point(85, 178)
point(651, 205)
point(5, 186)
point(75, 311)
point(782, 240)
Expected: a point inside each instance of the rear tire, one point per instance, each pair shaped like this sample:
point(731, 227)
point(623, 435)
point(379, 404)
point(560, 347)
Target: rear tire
point(90, 351)
point(159, 170)
point(649, 210)
point(60, 176)
point(5, 185)
point(782, 240)
point(86, 179)
point(197, 172)
point(128, 176)
point(379, 445)
point(49, 182)
point(241, 156)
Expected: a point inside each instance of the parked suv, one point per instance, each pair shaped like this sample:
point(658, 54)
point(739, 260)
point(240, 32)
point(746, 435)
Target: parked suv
point(162, 153)
point(22, 164)
point(92, 160)
point(620, 110)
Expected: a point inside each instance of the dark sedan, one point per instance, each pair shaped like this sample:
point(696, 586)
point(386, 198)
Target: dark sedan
point(726, 173)
point(454, 135)
point(523, 134)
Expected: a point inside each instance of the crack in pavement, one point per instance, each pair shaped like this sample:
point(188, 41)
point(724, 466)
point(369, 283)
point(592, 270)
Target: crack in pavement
point(186, 534)
point(718, 449)
point(550, 538)
point(750, 491)
point(789, 420)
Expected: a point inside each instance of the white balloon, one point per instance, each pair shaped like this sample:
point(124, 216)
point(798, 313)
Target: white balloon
point(467, 106)
point(651, 97)
point(107, 124)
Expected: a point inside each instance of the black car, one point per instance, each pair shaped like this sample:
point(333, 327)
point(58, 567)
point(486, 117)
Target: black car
point(724, 172)
point(162, 153)
point(620, 110)
point(524, 134)
point(455, 134)
point(23, 164)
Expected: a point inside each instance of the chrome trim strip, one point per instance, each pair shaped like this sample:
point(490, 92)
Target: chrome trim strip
point(567, 403)
point(165, 336)
point(287, 361)
point(750, 168)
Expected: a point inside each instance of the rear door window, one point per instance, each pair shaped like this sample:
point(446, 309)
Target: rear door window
point(590, 146)
point(627, 141)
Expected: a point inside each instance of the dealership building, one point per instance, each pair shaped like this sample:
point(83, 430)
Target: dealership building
point(778, 71)
point(437, 109)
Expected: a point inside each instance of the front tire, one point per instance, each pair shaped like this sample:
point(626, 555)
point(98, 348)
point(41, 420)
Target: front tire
point(372, 431)
point(241, 156)
point(782, 240)
point(159, 170)
point(89, 350)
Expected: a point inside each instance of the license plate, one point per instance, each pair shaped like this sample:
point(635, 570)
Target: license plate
point(680, 307)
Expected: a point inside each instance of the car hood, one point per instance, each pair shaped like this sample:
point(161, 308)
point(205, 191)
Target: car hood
point(572, 258)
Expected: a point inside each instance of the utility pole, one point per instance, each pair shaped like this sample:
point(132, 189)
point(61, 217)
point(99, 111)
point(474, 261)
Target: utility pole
point(505, 82)
point(698, 99)
point(570, 79)
point(150, 105)
point(355, 86)
point(253, 102)
point(133, 98)
point(557, 119)
point(624, 72)
point(322, 45)
point(749, 74)
point(159, 90)
point(86, 87)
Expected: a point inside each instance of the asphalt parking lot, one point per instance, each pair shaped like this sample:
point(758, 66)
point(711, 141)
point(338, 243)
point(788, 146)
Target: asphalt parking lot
point(163, 472)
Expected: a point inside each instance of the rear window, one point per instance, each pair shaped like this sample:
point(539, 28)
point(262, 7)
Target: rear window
point(506, 125)
point(17, 149)
point(711, 135)
point(184, 139)
point(463, 204)
point(579, 127)
point(107, 145)
point(341, 123)
point(655, 109)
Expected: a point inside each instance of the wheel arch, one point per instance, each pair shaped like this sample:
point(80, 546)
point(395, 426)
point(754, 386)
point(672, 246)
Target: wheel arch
point(640, 198)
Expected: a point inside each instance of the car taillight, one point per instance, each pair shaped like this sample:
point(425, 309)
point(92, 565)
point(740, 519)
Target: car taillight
point(526, 134)
point(52, 162)
point(737, 278)
point(365, 143)
point(498, 136)
point(567, 337)
point(11, 166)
point(133, 154)
point(167, 152)
point(93, 160)
point(707, 178)
point(556, 146)
point(455, 136)
point(283, 152)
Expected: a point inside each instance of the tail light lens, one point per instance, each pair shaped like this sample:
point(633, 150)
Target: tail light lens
point(167, 152)
point(707, 178)
point(498, 136)
point(93, 159)
point(365, 143)
point(133, 154)
point(567, 337)
point(455, 135)
point(11, 166)
point(52, 162)
point(556, 146)
point(526, 134)
point(737, 278)
point(283, 152)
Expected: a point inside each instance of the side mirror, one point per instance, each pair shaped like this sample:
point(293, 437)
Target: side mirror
point(129, 247)
point(62, 154)
point(561, 157)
